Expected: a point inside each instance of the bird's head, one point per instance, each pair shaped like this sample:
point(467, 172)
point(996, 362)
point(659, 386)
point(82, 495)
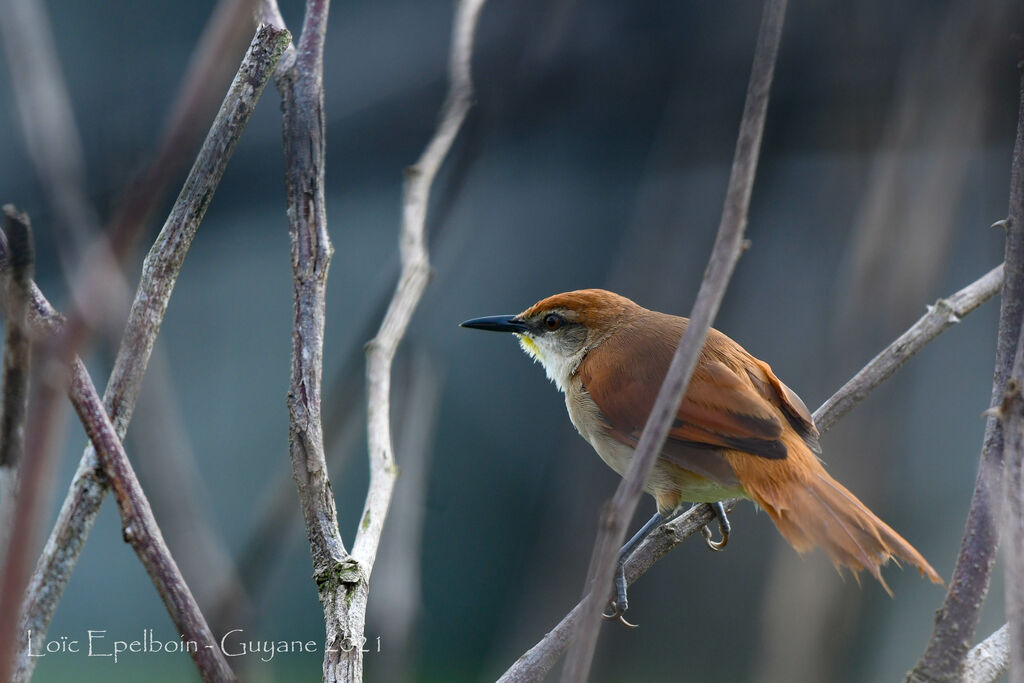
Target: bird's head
point(558, 331)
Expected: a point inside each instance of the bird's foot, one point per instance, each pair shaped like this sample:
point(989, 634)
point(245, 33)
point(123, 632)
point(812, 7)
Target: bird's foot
point(617, 613)
point(723, 526)
point(617, 607)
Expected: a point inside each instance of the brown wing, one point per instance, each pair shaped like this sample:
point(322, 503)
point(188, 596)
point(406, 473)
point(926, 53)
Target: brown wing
point(733, 401)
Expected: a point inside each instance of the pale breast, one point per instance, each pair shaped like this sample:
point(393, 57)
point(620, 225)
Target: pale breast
point(667, 480)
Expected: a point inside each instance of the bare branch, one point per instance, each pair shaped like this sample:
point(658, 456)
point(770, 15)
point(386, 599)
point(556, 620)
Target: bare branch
point(941, 316)
point(21, 511)
point(957, 619)
point(300, 84)
point(159, 273)
point(539, 659)
point(17, 345)
point(380, 351)
point(141, 531)
point(989, 659)
point(536, 662)
point(343, 580)
point(725, 253)
point(17, 356)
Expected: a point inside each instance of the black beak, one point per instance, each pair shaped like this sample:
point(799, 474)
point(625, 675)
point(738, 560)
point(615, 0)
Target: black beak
point(496, 323)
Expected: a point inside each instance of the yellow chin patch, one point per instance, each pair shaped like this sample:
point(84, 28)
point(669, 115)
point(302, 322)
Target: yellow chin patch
point(531, 348)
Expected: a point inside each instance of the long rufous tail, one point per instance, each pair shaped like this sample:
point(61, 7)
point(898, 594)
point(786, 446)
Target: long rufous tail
point(814, 509)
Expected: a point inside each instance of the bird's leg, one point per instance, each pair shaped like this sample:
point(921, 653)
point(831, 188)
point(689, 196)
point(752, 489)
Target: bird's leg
point(723, 526)
point(620, 604)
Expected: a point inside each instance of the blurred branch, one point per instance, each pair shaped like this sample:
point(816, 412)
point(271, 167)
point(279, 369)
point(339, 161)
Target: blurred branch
point(724, 256)
point(397, 590)
point(957, 618)
point(46, 118)
point(159, 273)
point(989, 659)
point(17, 356)
point(539, 659)
point(54, 146)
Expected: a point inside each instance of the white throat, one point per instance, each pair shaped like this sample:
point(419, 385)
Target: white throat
point(558, 367)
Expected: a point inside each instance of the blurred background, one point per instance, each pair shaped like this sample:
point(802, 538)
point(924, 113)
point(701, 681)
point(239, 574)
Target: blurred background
point(597, 155)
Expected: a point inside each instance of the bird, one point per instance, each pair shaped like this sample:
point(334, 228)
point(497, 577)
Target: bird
point(740, 432)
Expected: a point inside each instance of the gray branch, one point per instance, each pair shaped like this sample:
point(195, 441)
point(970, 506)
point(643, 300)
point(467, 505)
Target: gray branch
point(141, 531)
point(941, 316)
point(159, 273)
point(343, 580)
point(989, 659)
point(17, 356)
point(957, 619)
point(539, 659)
point(724, 255)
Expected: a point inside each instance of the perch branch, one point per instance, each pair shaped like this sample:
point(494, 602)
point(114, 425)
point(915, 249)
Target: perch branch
point(724, 256)
point(957, 619)
point(537, 661)
point(941, 316)
point(159, 273)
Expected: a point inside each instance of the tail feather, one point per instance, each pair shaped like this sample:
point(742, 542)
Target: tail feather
point(816, 510)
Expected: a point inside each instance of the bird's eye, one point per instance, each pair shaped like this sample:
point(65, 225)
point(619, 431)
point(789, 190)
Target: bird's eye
point(552, 321)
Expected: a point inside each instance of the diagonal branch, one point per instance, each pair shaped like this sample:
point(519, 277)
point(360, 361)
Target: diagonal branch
point(724, 255)
point(957, 619)
point(159, 273)
point(941, 316)
point(538, 660)
point(141, 531)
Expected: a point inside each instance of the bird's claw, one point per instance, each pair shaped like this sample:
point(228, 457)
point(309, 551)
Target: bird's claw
point(723, 526)
point(617, 614)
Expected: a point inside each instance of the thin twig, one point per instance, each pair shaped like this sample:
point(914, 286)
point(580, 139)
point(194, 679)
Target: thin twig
point(380, 351)
point(537, 661)
point(725, 253)
point(941, 316)
point(957, 619)
point(159, 273)
point(989, 659)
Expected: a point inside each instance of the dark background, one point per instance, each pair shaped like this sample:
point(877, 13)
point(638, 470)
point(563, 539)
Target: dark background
point(597, 155)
